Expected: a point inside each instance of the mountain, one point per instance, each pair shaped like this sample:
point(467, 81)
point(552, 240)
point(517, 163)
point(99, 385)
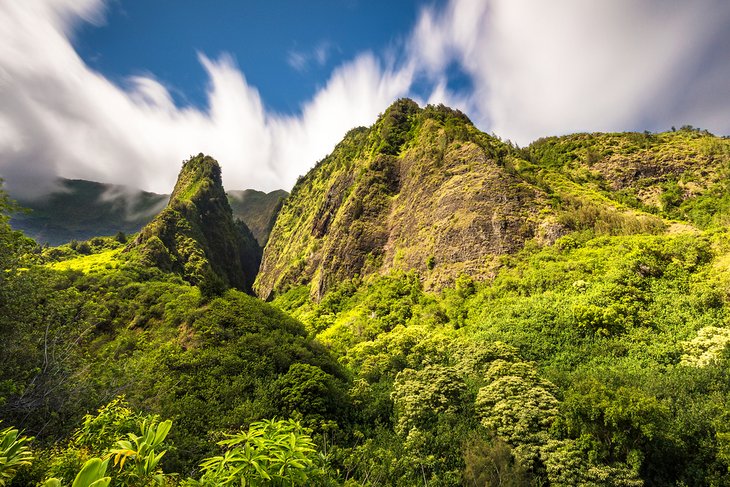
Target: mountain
point(82, 209)
point(446, 308)
point(97, 326)
point(424, 190)
point(196, 236)
point(421, 189)
point(258, 210)
point(680, 176)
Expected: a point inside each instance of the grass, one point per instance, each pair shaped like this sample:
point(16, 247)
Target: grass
point(87, 264)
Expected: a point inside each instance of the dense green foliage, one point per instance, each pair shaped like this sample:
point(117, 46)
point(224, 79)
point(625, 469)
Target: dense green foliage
point(276, 453)
point(83, 323)
point(592, 360)
point(271, 452)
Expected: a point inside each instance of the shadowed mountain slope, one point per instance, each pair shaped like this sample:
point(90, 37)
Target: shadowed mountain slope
point(82, 209)
point(258, 210)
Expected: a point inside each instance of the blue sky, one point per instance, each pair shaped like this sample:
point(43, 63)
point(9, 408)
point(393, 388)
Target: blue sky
point(286, 49)
point(122, 91)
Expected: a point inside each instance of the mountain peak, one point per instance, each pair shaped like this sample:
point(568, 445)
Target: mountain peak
point(196, 235)
point(422, 189)
point(199, 177)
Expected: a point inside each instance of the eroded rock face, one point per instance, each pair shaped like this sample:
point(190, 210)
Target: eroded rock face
point(196, 235)
point(422, 189)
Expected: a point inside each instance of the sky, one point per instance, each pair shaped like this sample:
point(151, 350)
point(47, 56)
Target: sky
point(123, 91)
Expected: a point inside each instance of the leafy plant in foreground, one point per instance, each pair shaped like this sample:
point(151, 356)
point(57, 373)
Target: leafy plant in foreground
point(92, 474)
point(14, 454)
point(140, 450)
point(270, 453)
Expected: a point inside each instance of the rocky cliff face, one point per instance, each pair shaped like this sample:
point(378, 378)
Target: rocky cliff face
point(422, 189)
point(196, 236)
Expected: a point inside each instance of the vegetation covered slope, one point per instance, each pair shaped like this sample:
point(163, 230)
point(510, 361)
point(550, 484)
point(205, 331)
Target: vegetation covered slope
point(596, 357)
point(196, 236)
point(81, 327)
point(422, 189)
point(678, 175)
point(258, 210)
point(594, 361)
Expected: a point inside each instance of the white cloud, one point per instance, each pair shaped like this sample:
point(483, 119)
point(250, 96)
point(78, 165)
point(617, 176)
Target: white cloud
point(301, 60)
point(543, 68)
point(536, 68)
point(62, 118)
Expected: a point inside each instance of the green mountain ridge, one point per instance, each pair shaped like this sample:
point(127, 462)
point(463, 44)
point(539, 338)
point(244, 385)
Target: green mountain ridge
point(421, 189)
point(424, 190)
point(196, 236)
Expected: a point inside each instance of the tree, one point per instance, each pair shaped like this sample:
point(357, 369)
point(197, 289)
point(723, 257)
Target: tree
point(420, 397)
point(518, 406)
point(308, 391)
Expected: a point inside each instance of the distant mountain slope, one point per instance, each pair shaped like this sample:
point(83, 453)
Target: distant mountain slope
point(257, 209)
point(85, 209)
point(196, 236)
point(678, 175)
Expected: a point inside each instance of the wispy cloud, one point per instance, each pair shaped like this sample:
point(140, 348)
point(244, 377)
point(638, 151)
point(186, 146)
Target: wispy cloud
point(59, 117)
point(536, 68)
point(297, 60)
point(319, 55)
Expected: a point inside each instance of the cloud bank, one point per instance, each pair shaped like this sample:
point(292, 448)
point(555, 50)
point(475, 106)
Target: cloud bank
point(545, 68)
point(534, 69)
